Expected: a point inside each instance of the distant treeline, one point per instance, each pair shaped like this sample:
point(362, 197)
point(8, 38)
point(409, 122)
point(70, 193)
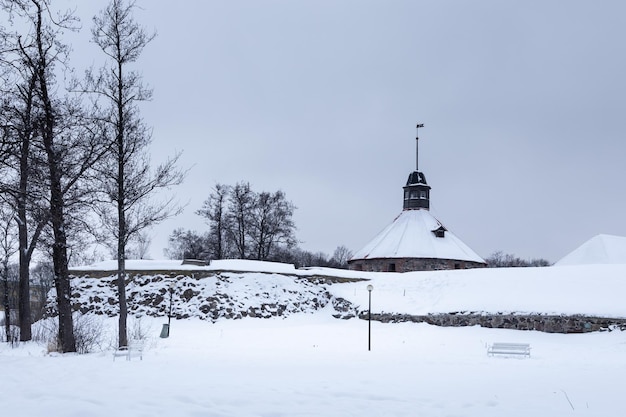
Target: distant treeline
point(500, 259)
point(245, 224)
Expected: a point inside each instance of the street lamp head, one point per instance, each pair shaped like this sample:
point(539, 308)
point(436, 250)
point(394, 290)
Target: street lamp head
point(370, 287)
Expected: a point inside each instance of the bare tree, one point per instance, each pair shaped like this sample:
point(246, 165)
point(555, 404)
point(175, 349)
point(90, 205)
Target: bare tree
point(214, 210)
point(271, 223)
point(8, 246)
point(69, 144)
point(500, 259)
point(22, 161)
point(241, 201)
point(42, 282)
point(35, 56)
point(246, 224)
point(187, 244)
point(140, 246)
point(340, 257)
point(128, 181)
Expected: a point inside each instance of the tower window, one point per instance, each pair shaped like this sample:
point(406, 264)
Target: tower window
point(423, 195)
point(413, 195)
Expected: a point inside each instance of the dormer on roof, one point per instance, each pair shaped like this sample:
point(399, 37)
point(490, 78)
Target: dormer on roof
point(440, 231)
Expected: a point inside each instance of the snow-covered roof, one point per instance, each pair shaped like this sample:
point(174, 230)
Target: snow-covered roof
point(411, 236)
point(600, 249)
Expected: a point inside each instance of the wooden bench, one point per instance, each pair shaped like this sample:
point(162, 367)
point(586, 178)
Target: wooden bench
point(134, 348)
point(519, 349)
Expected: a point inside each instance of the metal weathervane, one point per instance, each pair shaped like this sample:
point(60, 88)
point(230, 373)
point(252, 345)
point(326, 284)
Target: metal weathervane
point(417, 145)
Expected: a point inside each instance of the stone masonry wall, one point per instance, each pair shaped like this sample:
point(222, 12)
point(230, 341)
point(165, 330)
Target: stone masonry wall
point(410, 264)
point(543, 323)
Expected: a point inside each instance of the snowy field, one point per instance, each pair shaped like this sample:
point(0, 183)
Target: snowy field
point(311, 364)
point(314, 365)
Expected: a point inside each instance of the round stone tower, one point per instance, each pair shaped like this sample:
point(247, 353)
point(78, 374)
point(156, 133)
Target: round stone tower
point(415, 241)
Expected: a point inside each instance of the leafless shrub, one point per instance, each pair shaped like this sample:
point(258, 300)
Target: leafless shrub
point(88, 332)
point(138, 330)
point(46, 332)
point(13, 338)
point(42, 330)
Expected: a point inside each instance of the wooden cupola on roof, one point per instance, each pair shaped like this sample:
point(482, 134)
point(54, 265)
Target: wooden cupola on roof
point(416, 190)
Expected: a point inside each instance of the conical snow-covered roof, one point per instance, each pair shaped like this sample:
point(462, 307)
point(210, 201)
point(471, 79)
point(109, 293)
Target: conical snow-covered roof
point(600, 249)
point(415, 234)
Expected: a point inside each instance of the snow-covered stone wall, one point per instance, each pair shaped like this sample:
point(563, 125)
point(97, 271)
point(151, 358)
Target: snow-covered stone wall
point(540, 322)
point(554, 299)
point(229, 295)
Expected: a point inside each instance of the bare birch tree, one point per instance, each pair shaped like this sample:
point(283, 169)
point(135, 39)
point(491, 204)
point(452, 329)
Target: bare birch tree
point(129, 183)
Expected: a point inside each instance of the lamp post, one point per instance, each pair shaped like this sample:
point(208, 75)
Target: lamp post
point(369, 318)
point(165, 331)
point(169, 315)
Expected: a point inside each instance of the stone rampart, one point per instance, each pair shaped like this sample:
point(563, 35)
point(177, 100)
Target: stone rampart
point(539, 322)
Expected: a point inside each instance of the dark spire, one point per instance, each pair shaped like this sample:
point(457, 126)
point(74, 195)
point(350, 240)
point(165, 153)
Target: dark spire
point(416, 190)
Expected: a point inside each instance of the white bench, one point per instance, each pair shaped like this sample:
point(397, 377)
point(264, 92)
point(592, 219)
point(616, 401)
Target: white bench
point(520, 349)
point(134, 348)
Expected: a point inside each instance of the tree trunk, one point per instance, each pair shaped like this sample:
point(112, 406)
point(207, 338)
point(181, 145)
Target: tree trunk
point(121, 212)
point(121, 289)
point(57, 203)
point(24, 257)
point(7, 306)
point(61, 272)
point(121, 250)
point(219, 250)
point(25, 316)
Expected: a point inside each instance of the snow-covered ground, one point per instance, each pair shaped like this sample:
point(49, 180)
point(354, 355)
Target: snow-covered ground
point(311, 364)
point(596, 290)
point(314, 365)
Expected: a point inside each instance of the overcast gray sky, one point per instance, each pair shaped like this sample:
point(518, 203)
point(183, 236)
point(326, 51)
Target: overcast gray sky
point(523, 105)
